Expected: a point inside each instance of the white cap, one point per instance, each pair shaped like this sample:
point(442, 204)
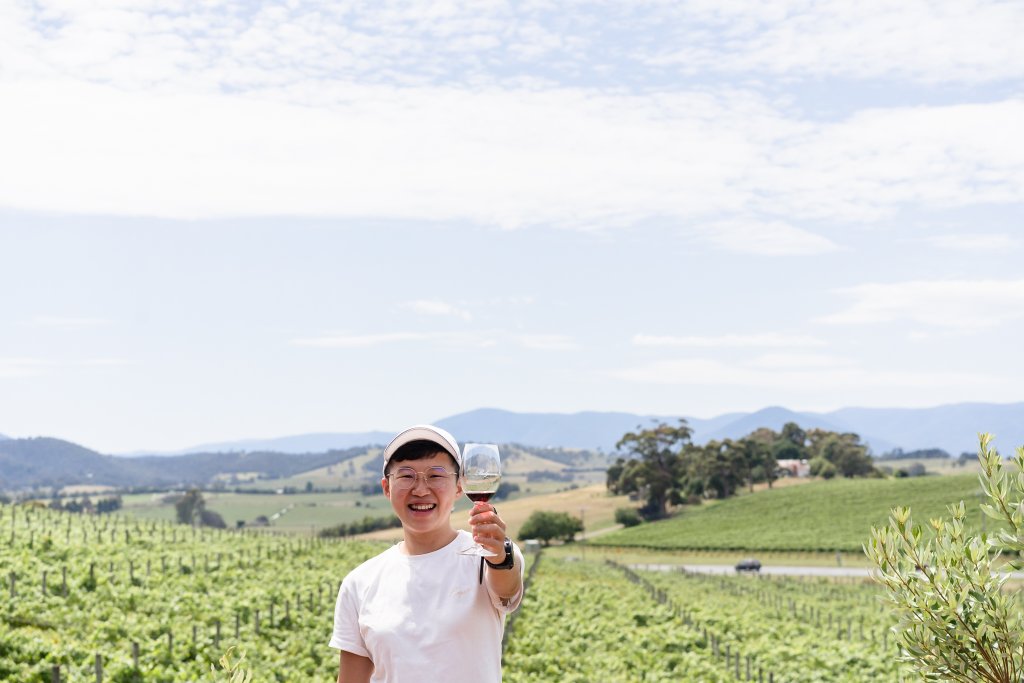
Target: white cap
point(424, 433)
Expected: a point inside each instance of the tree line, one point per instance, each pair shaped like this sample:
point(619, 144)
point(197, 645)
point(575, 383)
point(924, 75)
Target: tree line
point(665, 468)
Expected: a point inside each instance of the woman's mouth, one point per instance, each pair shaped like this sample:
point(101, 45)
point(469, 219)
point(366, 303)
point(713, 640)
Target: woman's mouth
point(422, 507)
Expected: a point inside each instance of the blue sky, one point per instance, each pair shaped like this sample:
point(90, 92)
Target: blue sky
point(224, 221)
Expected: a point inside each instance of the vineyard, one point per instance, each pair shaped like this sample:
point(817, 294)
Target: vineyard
point(820, 516)
point(585, 621)
point(110, 598)
point(114, 599)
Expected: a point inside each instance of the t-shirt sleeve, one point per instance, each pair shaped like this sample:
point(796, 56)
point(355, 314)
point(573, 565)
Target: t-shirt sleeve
point(347, 635)
point(507, 605)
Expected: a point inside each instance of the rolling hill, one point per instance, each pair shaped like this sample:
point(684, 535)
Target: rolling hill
point(818, 516)
point(47, 462)
point(953, 428)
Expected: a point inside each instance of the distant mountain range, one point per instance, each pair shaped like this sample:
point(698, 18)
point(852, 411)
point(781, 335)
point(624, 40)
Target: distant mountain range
point(49, 461)
point(953, 428)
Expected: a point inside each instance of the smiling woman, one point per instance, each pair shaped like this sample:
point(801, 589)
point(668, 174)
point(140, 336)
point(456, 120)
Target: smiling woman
point(422, 609)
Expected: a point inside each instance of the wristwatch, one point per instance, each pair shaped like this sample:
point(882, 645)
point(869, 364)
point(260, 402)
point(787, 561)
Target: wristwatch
point(509, 561)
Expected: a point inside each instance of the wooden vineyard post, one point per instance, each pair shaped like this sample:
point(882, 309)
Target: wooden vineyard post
point(14, 593)
point(135, 656)
point(216, 634)
point(99, 669)
point(55, 677)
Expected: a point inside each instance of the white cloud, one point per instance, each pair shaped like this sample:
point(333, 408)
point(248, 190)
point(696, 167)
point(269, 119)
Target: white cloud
point(312, 109)
point(961, 304)
point(564, 158)
point(548, 342)
point(798, 361)
point(352, 341)
point(975, 242)
point(970, 41)
point(879, 160)
point(22, 367)
point(766, 237)
point(766, 339)
point(439, 308)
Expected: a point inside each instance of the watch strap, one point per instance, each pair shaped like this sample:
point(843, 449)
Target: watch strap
point(509, 561)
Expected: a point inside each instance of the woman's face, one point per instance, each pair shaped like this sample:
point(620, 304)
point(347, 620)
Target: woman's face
point(422, 508)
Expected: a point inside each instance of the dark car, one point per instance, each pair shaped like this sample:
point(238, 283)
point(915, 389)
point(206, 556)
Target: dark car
point(748, 565)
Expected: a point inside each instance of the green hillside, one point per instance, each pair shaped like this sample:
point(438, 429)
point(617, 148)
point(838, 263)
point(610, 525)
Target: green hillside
point(821, 516)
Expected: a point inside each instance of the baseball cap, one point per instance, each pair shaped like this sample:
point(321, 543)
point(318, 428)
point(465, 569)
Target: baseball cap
point(424, 433)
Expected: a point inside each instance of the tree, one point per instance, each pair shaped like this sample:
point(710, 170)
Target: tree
point(722, 468)
point(653, 466)
point(762, 463)
point(846, 452)
point(792, 433)
point(191, 509)
point(956, 622)
point(547, 526)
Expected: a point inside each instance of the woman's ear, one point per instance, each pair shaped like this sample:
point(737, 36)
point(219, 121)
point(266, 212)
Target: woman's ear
point(385, 486)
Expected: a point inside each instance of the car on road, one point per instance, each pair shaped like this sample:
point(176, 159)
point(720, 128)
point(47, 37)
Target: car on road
point(748, 565)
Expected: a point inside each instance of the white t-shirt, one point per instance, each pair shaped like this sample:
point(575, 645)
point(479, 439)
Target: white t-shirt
point(424, 617)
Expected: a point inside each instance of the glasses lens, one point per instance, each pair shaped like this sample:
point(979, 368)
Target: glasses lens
point(437, 478)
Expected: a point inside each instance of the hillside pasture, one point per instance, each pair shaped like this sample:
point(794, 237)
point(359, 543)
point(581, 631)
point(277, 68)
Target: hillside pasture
point(824, 516)
point(300, 512)
point(594, 503)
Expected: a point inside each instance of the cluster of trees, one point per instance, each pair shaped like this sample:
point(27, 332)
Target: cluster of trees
point(85, 505)
point(919, 454)
point(362, 526)
point(191, 509)
point(665, 468)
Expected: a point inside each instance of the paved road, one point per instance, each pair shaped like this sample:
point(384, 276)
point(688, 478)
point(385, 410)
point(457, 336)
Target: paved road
point(765, 569)
point(862, 572)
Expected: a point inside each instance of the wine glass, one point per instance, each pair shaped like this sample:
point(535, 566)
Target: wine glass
point(481, 472)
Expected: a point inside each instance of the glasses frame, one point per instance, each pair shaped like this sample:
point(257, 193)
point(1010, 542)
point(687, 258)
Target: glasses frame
point(445, 484)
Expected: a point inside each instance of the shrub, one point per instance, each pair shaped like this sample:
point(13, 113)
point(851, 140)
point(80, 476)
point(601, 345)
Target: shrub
point(547, 526)
point(956, 622)
point(627, 517)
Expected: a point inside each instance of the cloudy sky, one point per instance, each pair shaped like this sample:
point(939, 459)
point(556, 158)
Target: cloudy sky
point(234, 220)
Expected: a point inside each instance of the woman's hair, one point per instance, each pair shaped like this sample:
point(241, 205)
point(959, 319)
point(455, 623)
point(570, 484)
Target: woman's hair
point(420, 449)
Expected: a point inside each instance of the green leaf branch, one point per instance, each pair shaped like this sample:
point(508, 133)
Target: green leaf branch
point(956, 620)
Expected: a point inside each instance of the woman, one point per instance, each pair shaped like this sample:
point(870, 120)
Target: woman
point(421, 611)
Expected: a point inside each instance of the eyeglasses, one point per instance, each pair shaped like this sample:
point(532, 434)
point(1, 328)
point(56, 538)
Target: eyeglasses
point(436, 478)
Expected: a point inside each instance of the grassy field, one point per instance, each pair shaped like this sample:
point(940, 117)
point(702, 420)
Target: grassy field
point(295, 512)
point(593, 503)
point(821, 516)
point(306, 512)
